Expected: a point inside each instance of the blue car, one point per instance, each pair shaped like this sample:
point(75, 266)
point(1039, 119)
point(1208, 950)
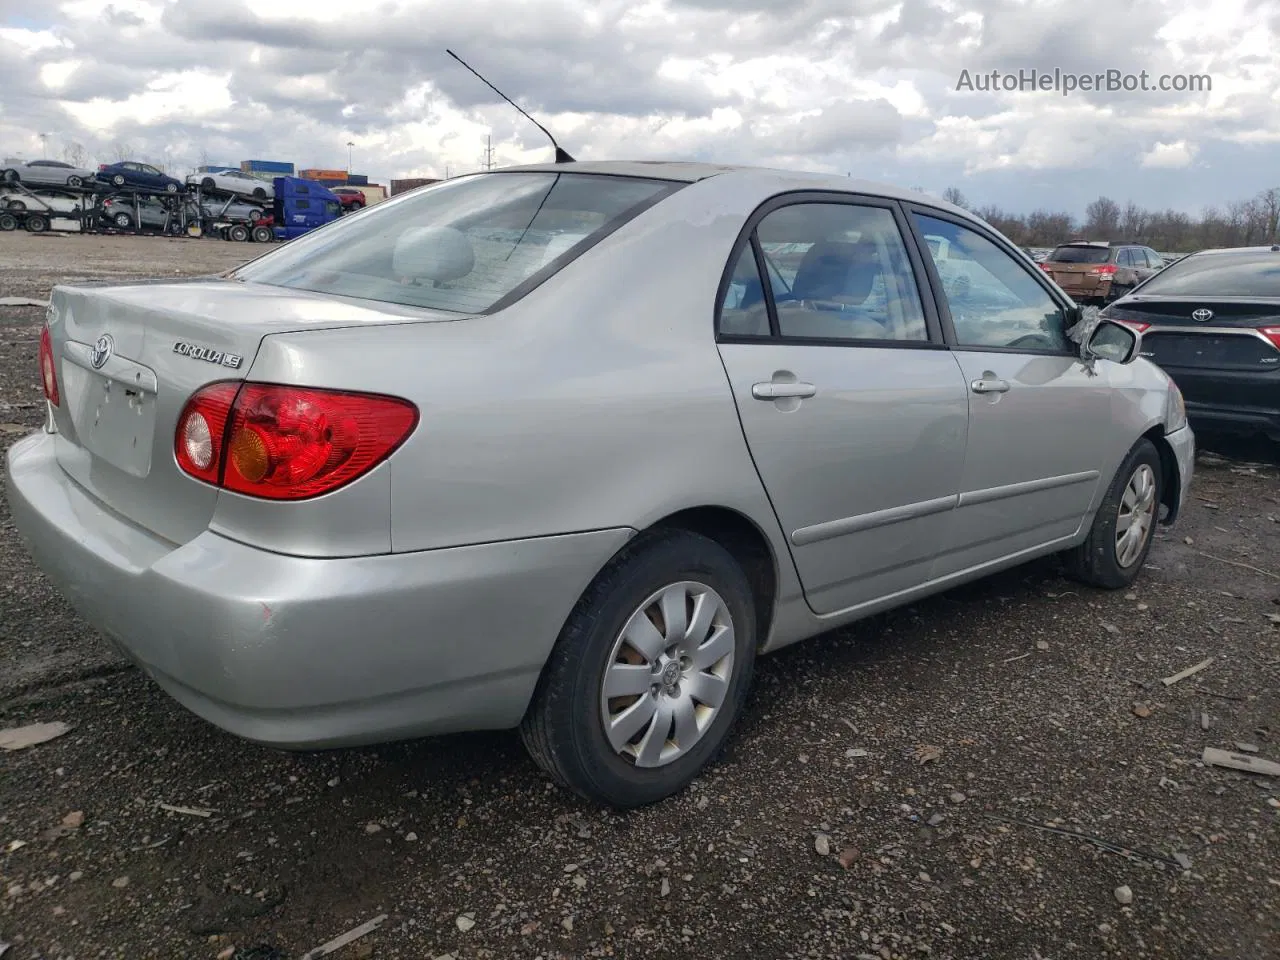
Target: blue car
point(140, 176)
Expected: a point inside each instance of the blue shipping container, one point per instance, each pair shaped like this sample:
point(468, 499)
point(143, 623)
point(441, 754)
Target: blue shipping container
point(357, 179)
point(267, 166)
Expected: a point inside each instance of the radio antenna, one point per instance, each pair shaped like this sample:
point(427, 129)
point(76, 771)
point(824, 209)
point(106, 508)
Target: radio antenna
point(562, 155)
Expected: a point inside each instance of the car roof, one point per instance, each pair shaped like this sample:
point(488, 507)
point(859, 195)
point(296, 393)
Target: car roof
point(1225, 251)
point(691, 171)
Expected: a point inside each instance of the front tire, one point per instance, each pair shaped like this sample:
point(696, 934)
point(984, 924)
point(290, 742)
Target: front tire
point(649, 673)
point(171, 188)
point(1112, 556)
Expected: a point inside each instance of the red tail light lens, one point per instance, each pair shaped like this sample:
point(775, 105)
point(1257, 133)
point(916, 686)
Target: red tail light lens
point(1272, 334)
point(1134, 325)
point(48, 369)
point(1105, 270)
point(287, 443)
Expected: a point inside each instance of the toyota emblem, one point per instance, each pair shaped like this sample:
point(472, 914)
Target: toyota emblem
point(102, 351)
point(1202, 315)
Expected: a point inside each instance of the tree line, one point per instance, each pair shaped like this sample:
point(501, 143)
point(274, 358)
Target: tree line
point(1239, 224)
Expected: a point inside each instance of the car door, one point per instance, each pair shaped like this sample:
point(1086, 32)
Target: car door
point(1033, 461)
point(852, 407)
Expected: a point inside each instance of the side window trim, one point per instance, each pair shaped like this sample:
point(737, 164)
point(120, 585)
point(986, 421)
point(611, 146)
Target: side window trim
point(935, 281)
point(766, 286)
point(934, 329)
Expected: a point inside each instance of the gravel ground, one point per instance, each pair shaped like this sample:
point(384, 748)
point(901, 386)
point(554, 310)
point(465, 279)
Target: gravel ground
point(856, 813)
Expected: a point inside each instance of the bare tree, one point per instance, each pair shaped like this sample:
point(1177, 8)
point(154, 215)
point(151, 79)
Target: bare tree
point(1268, 202)
point(121, 151)
point(1133, 222)
point(1102, 219)
point(953, 195)
point(74, 154)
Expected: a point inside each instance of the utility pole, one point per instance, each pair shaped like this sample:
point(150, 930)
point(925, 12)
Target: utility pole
point(349, 146)
point(488, 152)
point(44, 145)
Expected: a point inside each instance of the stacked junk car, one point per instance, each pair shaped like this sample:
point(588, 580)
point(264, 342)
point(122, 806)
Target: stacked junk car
point(259, 201)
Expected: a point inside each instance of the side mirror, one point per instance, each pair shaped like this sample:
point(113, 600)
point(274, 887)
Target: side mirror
point(1115, 342)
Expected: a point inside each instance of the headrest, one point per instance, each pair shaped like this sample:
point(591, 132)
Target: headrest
point(433, 253)
point(833, 268)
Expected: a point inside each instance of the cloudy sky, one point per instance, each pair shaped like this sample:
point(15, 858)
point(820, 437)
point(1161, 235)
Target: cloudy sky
point(867, 87)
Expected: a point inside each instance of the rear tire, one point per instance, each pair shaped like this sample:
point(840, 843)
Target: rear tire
point(262, 234)
point(8, 222)
point(1105, 560)
point(239, 233)
point(207, 183)
point(118, 180)
point(564, 729)
point(37, 223)
point(259, 193)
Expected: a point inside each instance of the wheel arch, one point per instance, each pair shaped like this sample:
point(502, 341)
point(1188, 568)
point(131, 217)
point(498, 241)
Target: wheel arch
point(746, 543)
point(1170, 479)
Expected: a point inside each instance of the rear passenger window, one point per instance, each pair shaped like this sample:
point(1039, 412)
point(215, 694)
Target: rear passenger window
point(840, 272)
point(744, 312)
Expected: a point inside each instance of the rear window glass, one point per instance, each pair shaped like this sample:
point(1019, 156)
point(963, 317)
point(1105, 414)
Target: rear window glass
point(1220, 275)
point(462, 245)
point(1080, 255)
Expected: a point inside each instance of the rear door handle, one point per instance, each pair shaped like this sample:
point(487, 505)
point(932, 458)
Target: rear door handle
point(779, 391)
point(989, 386)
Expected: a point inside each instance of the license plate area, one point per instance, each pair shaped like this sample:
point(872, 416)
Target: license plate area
point(113, 409)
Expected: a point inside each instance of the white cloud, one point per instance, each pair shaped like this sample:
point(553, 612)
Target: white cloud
point(836, 85)
point(1170, 155)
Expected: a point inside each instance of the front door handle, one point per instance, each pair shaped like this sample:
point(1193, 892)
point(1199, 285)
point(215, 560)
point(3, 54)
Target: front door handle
point(779, 391)
point(989, 386)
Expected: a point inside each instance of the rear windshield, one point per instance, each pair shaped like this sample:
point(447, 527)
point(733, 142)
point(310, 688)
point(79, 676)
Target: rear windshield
point(1220, 275)
point(463, 245)
point(1080, 255)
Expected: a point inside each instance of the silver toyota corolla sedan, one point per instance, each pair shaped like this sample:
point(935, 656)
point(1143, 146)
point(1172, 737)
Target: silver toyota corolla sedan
point(566, 447)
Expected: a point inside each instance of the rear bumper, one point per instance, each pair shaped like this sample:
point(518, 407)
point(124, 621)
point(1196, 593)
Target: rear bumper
point(1230, 401)
point(299, 652)
point(1085, 289)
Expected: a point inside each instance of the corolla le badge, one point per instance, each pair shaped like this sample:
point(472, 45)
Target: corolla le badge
point(1202, 315)
point(197, 352)
point(102, 348)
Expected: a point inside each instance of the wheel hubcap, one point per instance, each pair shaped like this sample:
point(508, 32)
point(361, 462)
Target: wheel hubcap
point(668, 674)
point(1136, 516)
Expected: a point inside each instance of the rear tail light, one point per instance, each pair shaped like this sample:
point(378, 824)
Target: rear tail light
point(1272, 334)
point(1105, 270)
point(287, 443)
point(1045, 268)
point(102, 166)
point(48, 369)
point(1134, 325)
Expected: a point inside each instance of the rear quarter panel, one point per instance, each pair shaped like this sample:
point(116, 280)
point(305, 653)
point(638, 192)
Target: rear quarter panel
point(597, 401)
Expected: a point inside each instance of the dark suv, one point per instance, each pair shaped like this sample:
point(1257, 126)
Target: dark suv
point(1093, 272)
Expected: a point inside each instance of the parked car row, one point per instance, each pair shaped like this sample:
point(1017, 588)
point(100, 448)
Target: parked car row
point(132, 174)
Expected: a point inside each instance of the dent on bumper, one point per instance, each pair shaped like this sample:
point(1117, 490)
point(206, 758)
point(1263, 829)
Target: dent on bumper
point(302, 652)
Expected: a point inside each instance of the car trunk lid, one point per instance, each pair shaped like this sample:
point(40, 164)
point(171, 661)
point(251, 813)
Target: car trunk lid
point(129, 357)
point(1219, 333)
